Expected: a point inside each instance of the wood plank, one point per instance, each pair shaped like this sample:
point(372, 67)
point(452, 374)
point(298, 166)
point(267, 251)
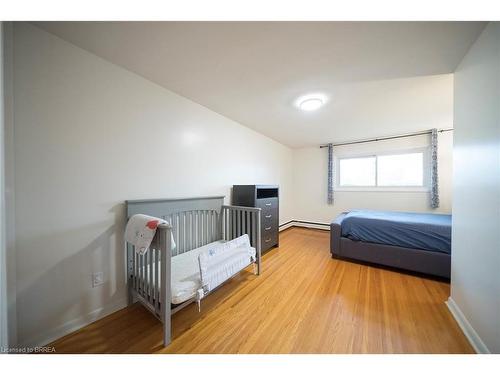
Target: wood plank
point(303, 302)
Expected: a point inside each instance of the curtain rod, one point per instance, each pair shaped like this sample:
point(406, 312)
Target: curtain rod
point(386, 138)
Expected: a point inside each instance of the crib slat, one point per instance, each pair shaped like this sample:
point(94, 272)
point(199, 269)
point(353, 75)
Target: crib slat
point(185, 225)
point(143, 272)
point(247, 223)
point(224, 224)
point(216, 226)
point(187, 232)
point(136, 272)
point(234, 225)
point(238, 223)
point(145, 267)
point(243, 222)
point(192, 243)
point(173, 223)
point(178, 233)
point(140, 275)
point(133, 267)
point(231, 225)
point(157, 284)
point(209, 226)
point(195, 230)
point(150, 273)
point(198, 228)
point(212, 226)
point(205, 227)
point(143, 277)
point(175, 231)
point(146, 286)
point(181, 234)
point(254, 230)
point(146, 276)
point(139, 270)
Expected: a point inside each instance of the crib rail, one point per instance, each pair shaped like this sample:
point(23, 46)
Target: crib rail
point(239, 220)
point(194, 228)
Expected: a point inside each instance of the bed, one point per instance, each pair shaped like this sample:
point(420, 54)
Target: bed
point(201, 244)
point(415, 242)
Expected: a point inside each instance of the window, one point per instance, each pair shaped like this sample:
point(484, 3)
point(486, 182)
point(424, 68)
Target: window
point(357, 171)
point(402, 170)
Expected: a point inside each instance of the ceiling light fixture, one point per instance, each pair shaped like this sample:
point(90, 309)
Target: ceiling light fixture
point(311, 102)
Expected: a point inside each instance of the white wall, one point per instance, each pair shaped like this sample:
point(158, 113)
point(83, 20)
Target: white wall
point(89, 135)
point(310, 167)
point(475, 278)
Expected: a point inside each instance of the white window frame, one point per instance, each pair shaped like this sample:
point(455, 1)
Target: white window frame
point(426, 171)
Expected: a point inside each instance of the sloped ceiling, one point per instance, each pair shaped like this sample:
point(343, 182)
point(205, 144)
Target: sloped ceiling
point(380, 77)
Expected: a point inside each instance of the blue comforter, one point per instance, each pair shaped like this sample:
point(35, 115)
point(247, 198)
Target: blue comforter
point(414, 230)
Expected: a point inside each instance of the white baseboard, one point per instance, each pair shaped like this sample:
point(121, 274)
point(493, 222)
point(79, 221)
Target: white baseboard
point(304, 224)
point(469, 332)
point(286, 225)
point(65, 329)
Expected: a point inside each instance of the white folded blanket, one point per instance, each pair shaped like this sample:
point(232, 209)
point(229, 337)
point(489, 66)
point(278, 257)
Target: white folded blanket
point(141, 230)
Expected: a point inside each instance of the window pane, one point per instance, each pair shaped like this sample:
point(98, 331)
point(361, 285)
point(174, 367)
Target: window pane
point(357, 171)
point(400, 170)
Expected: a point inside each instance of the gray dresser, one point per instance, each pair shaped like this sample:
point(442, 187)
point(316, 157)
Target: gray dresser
point(265, 197)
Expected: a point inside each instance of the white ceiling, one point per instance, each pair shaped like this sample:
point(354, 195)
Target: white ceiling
point(252, 72)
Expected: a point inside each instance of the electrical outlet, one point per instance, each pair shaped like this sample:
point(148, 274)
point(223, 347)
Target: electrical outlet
point(97, 279)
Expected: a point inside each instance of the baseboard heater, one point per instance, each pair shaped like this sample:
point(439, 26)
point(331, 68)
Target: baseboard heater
point(304, 224)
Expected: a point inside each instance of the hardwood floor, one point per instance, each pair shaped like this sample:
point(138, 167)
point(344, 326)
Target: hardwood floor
point(303, 302)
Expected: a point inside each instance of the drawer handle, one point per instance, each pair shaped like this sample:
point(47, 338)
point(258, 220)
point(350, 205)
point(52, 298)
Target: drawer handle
point(268, 228)
point(268, 204)
point(268, 240)
point(268, 216)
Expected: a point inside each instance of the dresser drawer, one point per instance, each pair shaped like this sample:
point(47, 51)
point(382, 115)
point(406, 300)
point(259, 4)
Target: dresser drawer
point(269, 240)
point(268, 229)
point(269, 218)
point(267, 203)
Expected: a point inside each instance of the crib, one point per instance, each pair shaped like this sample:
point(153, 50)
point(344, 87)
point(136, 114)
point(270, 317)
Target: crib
point(192, 224)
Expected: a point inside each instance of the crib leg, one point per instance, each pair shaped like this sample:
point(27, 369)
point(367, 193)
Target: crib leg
point(199, 305)
point(166, 333)
point(255, 269)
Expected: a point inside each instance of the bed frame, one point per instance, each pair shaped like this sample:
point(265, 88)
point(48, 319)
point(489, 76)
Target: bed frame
point(193, 222)
point(416, 260)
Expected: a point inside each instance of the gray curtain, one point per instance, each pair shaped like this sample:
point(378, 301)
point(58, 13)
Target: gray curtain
point(434, 169)
point(330, 173)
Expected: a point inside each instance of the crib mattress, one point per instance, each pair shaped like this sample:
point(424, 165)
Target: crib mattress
point(185, 270)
